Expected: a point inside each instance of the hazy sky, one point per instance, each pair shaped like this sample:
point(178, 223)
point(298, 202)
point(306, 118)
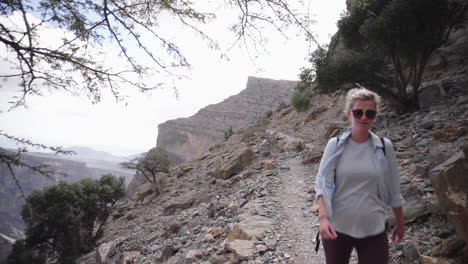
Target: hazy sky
point(58, 118)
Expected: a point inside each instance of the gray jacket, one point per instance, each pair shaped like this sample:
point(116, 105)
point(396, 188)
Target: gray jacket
point(385, 164)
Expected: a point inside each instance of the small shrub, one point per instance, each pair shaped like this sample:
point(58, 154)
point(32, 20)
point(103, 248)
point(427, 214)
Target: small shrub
point(301, 99)
point(228, 133)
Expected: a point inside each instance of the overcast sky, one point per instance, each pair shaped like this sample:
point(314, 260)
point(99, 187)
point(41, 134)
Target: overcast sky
point(61, 119)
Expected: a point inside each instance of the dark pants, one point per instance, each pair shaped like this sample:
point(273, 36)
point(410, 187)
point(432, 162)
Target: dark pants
point(370, 250)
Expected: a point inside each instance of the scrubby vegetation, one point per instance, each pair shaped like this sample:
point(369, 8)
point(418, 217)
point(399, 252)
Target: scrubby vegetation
point(153, 166)
point(387, 44)
point(64, 220)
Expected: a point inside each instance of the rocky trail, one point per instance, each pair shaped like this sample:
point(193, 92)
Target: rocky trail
point(299, 221)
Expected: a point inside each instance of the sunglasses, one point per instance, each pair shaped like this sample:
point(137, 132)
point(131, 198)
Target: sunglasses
point(370, 114)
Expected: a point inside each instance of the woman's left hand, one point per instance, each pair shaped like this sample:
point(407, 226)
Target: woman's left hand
point(398, 233)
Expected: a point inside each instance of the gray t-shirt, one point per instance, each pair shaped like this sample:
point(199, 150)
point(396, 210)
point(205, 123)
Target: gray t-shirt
point(357, 208)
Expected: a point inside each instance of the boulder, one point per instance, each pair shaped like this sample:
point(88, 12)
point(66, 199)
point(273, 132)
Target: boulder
point(450, 181)
point(193, 255)
point(129, 257)
point(102, 252)
point(429, 94)
point(268, 165)
point(143, 191)
point(289, 143)
point(449, 247)
point(241, 248)
point(411, 252)
point(450, 132)
point(252, 226)
point(235, 164)
point(431, 260)
point(173, 207)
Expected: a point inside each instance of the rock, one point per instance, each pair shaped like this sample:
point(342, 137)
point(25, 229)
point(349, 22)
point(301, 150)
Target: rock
point(413, 209)
point(167, 252)
point(286, 111)
point(236, 163)
point(410, 251)
point(312, 159)
point(431, 260)
point(252, 226)
point(193, 255)
point(289, 143)
point(404, 180)
point(450, 181)
point(241, 248)
point(172, 208)
point(314, 114)
point(315, 208)
point(149, 199)
point(102, 252)
point(270, 243)
point(405, 143)
point(424, 142)
point(130, 257)
point(437, 155)
point(449, 247)
point(261, 249)
point(429, 94)
point(218, 231)
point(143, 191)
point(219, 259)
point(173, 229)
point(269, 165)
point(237, 233)
point(450, 133)
point(116, 215)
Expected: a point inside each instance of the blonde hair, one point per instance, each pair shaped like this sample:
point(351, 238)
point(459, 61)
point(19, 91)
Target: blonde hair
point(360, 93)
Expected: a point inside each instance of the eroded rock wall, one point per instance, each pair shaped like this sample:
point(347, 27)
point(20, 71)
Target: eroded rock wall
point(192, 136)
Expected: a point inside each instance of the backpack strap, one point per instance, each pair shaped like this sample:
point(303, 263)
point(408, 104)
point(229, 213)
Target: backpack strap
point(383, 143)
point(317, 241)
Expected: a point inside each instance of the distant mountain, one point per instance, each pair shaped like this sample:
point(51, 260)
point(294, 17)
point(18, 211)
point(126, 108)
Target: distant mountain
point(87, 153)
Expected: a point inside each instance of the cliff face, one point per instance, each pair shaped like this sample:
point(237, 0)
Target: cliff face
point(192, 136)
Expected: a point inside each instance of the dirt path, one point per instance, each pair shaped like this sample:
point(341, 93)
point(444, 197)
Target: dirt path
point(300, 223)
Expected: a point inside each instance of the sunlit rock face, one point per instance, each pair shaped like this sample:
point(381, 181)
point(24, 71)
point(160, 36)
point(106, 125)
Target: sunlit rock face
point(192, 136)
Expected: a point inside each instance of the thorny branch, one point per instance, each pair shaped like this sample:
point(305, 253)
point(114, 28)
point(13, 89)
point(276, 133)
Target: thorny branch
point(88, 27)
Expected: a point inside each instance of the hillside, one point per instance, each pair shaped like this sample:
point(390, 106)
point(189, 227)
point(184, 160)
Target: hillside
point(251, 197)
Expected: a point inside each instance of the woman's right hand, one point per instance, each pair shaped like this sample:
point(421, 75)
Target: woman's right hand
point(327, 231)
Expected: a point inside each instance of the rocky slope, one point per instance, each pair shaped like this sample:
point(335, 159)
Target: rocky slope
point(192, 136)
point(250, 199)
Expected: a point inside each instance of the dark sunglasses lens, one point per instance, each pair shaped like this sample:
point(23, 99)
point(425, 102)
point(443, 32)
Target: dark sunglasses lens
point(357, 113)
point(370, 114)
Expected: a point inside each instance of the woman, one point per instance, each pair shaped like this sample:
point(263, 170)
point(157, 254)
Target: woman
point(357, 178)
